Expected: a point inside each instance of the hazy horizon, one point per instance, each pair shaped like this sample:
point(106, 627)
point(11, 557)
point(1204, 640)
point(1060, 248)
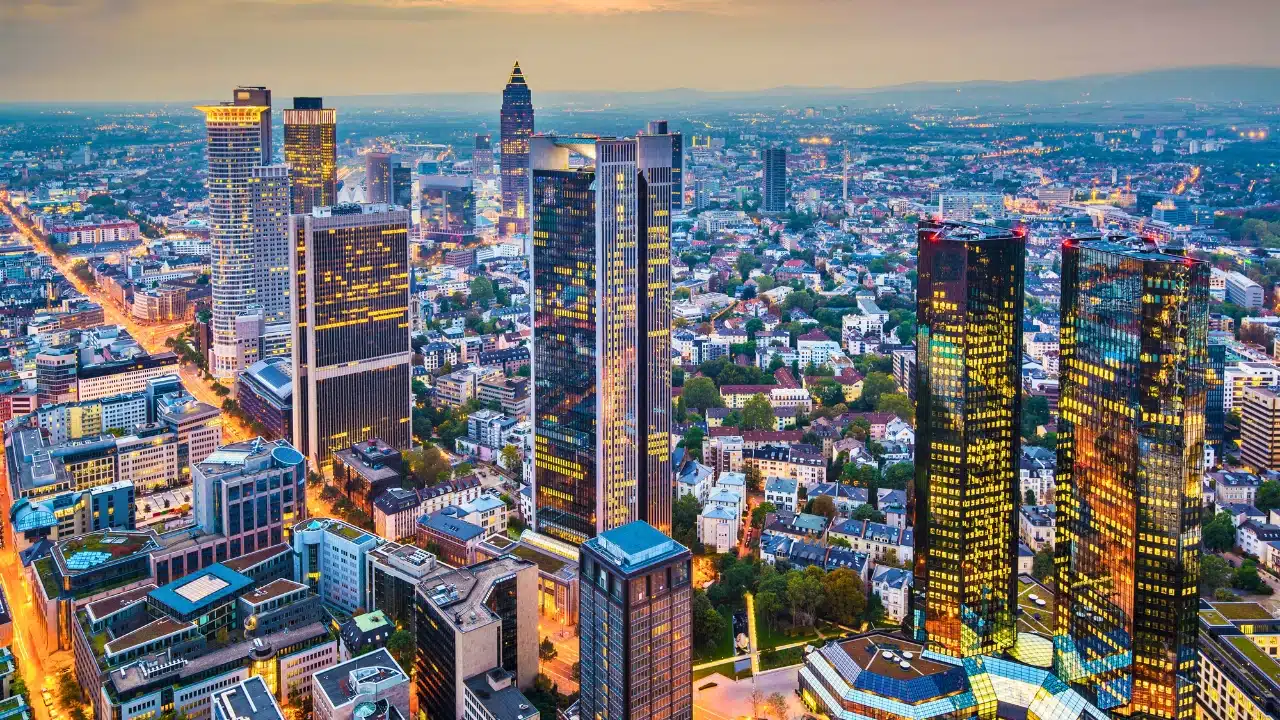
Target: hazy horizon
point(184, 50)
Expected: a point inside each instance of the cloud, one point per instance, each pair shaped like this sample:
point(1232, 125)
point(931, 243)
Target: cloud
point(530, 7)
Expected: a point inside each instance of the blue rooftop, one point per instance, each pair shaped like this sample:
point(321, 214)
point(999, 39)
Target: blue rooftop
point(200, 590)
point(635, 545)
point(441, 521)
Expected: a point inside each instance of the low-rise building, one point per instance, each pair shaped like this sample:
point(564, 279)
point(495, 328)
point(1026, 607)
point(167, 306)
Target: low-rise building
point(369, 687)
point(782, 492)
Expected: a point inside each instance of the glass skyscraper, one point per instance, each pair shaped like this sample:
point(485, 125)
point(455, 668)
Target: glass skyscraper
point(517, 128)
point(448, 209)
point(601, 341)
point(311, 152)
point(774, 190)
point(377, 177)
point(660, 127)
point(965, 498)
point(351, 353)
point(1130, 458)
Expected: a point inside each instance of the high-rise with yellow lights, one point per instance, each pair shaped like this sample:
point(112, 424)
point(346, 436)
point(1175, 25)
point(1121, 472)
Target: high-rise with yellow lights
point(965, 498)
point(248, 217)
point(311, 152)
point(517, 128)
point(601, 341)
point(1130, 457)
point(351, 353)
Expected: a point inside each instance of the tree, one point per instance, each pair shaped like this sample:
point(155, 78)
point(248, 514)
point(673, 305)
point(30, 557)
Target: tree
point(511, 456)
point(692, 442)
point(825, 506)
point(755, 479)
point(547, 649)
point(69, 689)
point(402, 646)
point(768, 606)
point(1246, 578)
point(1035, 412)
point(1215, 574)
point(804, 594)
point(1268, 497)
point(427, 466)
point(777, 702)
point(898, 404)
point(757, 414)
point(708, 624)
point(1042, 564)
point(677, 377)
point(866, 512)
point(875, 385)
point(700, 393)
point(684, 519)
point(481, 290)
point(759, 511)
point(843, 597)
point(874, 612)
point(757, 703)
point(906, 332)
point(1220, 533)
point(1029, 497)
point(890, 558)
point(898, 476)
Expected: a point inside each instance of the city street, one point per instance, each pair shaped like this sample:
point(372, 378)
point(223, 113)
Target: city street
point(560, 669)
point(151, 338)
point(730, 700)
point(38, 669)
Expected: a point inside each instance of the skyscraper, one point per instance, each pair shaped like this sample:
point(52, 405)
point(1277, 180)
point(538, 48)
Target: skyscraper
point(482, 158)
point(659, 127)
point(351, 354)
point(601, 341)
point(965, 498)
point(775, 180)
point(635, 642)
point(1130, 459)
point(517, 128)
point(377, 177)
point(311, 152)
point(401, 184)
point(448, 209)
point(248, 258)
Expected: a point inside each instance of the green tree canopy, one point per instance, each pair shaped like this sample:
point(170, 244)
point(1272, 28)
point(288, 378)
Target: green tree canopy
point(701, 393)
point(757, 414)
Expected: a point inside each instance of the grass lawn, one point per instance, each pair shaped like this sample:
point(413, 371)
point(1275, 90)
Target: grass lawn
point(724, 645)
point(772, 659)
point(780, 635)
point(725, 669)
point(1261, 660)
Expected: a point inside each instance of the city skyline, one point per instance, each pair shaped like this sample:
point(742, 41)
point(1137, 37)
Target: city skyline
point(812, 43)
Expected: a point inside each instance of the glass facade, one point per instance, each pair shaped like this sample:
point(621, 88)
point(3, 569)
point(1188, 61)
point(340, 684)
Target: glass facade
point(435, 672)
point(965, 497)
point(564, 353)
point(1130, 456)
point(311, 152)
point(517, 128)
point(601, 347)
point(448, 210)
point(352, 353)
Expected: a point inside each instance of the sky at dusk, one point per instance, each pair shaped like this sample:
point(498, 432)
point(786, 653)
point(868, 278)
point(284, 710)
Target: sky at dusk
point(186, 50)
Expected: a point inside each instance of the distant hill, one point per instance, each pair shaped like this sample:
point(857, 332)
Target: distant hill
point(1204, 84)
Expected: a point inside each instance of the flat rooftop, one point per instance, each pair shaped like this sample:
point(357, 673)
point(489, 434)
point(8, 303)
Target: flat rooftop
point(201, 589)
point(245, 563)
point(272, 590)
point(884, 655)
point(247, 700)
point(376, 666)
point(106, 607)
point(150, 632)
point(460, 594)
point(635, 546)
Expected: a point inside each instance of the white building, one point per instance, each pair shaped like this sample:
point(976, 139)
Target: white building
point(782, 492)
point(1242, 291)
point(893, 585)
point(718, 528)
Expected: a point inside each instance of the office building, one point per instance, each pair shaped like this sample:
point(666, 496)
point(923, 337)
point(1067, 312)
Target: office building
point(250, 258)
point(601, 360)
point(448, 209)
point(77, 512)
point(659, 127)
point(1260, 429)
point(470, 621)
point(1215, 418)
point(311, 152)
point(965, 498)
point(482, 158)
point(377, 177)
point(517, 128)
point(774, 191)
point(56, 376)
point(1130, 460)
point(249, 699)
point(369, 687)
point(247, 494)
point(401, 184)
point(330, 557)
point(635, 625)
point(265, 393)
point(351, 353)
point(1239, 675)
point(1243, 291)
point(392, 575)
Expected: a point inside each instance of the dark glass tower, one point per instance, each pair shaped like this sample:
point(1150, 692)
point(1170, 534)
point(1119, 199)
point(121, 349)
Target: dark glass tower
point(377, 177)
point(601, 344)
point(448, 209)
point(965, 499)
point(517, 128)
point(635, 642)
point(311, 152)
point(1130, 457)
point(351, 353)
point(774, 191)
point(401, 184)
point(659, 127)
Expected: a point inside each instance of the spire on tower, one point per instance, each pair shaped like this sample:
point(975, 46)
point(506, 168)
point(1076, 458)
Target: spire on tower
point(517, 77)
